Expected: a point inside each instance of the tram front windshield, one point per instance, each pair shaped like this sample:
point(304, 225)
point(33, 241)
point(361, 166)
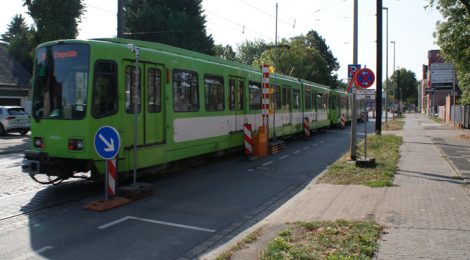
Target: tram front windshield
point(61, 81)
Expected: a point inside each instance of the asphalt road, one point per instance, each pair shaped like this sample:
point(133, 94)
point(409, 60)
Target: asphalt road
point(191, 210)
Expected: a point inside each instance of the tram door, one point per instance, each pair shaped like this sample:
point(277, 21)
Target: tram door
point(153, 104)
point(236, 104)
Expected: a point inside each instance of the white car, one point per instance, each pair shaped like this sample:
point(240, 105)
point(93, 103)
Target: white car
point(14, 119)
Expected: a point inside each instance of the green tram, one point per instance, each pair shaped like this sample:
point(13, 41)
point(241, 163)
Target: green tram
point(189, 104)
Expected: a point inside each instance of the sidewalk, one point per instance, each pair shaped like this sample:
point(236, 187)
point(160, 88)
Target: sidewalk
point(427, 212)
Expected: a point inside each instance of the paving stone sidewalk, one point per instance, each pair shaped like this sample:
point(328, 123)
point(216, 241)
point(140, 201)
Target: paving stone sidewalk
point(427, 212)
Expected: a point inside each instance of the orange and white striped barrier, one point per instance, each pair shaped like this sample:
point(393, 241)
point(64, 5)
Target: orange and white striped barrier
point(343, 121)
point(248, 139)
point(306, 127)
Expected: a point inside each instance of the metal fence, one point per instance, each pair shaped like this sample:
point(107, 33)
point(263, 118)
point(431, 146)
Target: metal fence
point(460, 115)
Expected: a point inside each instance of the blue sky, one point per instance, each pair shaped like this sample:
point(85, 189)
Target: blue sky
point(234, 21)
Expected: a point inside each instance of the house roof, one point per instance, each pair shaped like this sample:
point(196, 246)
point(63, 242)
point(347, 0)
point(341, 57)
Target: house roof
point(12, 73)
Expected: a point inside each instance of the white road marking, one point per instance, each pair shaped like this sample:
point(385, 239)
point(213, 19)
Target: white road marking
point(268, 163)
point(250, 170)
point(155, 222)
point(296, 152)
point(306, 148)
point(34, 254)
point(283, 157)
point(313, 145)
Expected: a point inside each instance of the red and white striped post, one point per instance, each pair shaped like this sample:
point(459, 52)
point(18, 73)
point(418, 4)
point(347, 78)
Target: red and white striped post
point(111, 178)
point(265, 96)
point(306, 127)
point(248, 139)
point(343, 121)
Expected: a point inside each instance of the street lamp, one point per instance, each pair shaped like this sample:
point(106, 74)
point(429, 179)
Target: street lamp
point(386, 69)
point(394, 97)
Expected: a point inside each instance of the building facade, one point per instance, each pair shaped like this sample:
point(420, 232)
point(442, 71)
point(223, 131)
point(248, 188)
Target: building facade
point(15, 80)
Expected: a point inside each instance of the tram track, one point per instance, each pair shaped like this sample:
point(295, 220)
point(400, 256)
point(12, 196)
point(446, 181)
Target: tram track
point(33, 202)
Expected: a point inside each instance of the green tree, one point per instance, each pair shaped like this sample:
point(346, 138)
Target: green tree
point(248, 52)
point(55, 19)
point(225, 53)
point(314, 40)
point(178, 23)
point(403, 85)
point(20, 41)
point(298, 59)
point(453, 38)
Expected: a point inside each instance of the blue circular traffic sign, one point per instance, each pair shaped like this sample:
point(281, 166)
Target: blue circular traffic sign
point(107, 142)
point(365, 78)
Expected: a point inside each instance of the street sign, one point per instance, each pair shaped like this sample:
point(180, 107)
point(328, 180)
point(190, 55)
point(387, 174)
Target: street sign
point(365, 94)
point(365, 78)
point(107, 142)
point(352, 68)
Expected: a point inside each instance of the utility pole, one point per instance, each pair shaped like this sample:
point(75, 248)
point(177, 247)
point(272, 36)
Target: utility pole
point(386, 70)
point(120, 19)
point(378, 99)
point(275, 80)
point(353, 149)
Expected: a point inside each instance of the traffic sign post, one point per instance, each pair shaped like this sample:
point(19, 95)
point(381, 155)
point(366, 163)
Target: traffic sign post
point(352, 69)
point(107, 143)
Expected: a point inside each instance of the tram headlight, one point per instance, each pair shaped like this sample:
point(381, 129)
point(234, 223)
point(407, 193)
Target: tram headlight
point(75, 144)
point(39, 142)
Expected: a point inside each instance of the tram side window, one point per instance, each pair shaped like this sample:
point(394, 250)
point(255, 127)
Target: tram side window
point(325, 103)
point(231, 85)
point(284, 97)
point(320, 101)
point(308, 98)
point(214, 93)
point(240, 94)
point(314, 100)
point(277, 97)
point(296, 95)
point(185, 91)
point(255, 95)
point(104, 89)
point(154, 90)
point(130, 81)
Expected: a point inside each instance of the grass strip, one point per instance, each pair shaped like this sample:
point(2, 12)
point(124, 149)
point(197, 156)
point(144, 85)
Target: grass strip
point(385, 150)
point(240, 245)
point(394, 124)
point(340, 239)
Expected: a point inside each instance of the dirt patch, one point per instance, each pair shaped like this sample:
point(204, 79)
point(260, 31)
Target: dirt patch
point(465, 137)
point(256, 248)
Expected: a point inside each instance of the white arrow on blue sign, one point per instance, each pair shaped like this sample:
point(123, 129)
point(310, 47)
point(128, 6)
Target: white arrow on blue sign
point(107, 142)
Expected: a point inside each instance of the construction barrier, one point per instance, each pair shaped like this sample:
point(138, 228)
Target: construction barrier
point(248, 139)
point(306, 127)
point(343, 121)
point(260, 142)
point(111, 172)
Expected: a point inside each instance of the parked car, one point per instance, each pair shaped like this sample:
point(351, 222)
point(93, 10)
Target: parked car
point(14, 119)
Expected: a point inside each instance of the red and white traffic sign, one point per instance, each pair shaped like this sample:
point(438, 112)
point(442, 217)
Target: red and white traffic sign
point(364, 78)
